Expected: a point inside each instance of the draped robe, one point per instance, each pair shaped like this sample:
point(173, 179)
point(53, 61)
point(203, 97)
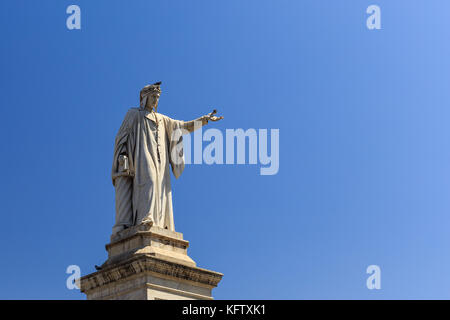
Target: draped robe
point(145, 191)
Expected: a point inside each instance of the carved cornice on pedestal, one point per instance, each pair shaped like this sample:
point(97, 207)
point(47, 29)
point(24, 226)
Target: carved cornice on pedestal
point(147, 264)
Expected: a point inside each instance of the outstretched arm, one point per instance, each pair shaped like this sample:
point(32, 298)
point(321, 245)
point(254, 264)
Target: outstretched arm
point(200, 122)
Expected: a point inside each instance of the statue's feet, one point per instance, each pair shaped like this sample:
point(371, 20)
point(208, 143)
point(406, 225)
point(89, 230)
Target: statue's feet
point(117, 229)
point(147, 222)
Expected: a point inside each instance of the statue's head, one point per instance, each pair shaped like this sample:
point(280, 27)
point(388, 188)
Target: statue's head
point(149, 96)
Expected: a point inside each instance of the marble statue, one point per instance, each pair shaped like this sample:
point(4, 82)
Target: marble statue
point(143, 154)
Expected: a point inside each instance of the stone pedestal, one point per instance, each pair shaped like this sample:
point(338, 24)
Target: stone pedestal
point(149, 263)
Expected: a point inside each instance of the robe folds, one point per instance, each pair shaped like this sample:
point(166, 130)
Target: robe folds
point(144, 191)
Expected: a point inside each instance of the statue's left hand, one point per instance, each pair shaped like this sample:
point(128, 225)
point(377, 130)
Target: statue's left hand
point(211, 116)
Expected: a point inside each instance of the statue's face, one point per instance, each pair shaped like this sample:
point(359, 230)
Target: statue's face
point(152, 100)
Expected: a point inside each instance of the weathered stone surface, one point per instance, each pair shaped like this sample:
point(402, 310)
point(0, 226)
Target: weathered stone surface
point(148, 239)
point(149, 278)
point(147, 262)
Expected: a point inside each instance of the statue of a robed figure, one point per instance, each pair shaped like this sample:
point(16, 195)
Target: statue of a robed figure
point(147, 258)
point(147, 145)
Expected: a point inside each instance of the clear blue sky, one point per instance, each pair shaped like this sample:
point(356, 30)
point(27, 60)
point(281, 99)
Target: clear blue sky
point(364, 141)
